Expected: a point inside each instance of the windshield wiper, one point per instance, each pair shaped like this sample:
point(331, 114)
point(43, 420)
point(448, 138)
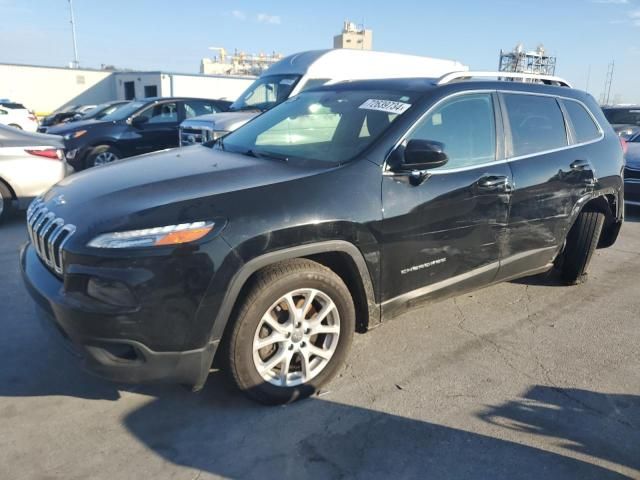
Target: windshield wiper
point(257, 154)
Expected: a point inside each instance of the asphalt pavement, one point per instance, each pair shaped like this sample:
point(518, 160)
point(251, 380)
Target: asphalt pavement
point(524, 380)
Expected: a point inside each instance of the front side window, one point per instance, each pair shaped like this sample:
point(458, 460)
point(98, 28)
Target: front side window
point(327, 126)
point(266, 92)
point(161, 113)
point(536, 122)
point(584, 127)
point(465, 125)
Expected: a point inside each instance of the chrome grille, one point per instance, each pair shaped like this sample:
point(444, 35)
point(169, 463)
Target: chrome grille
point(48, 234)
point(193, 135)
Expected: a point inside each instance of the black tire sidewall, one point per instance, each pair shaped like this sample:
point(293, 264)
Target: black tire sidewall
point(241, 350)
point(7, 202)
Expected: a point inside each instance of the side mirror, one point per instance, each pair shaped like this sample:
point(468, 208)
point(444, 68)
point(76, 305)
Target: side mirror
point(139, 120)
point(422, 155)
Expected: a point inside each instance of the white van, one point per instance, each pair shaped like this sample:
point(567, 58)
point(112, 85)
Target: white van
point(305, 70)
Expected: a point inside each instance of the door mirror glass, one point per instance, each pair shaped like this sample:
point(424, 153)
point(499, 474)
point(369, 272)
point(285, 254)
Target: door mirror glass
point(422, 155)
point(139, 120)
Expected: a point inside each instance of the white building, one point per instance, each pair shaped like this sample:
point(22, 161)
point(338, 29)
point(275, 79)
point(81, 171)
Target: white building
point(44, 89)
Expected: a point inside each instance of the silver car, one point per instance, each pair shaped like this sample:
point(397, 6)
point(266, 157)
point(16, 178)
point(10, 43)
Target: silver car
point(30, 163)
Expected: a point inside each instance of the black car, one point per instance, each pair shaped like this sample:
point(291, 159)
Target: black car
point(623, 116)
point(141, 126)
point(632, 171)
point(98, 112)
point(59, 116)
point(341, 207)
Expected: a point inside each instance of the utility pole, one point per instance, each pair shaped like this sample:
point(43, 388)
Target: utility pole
point(76, 62)
point(588, 79)
point(606, 94)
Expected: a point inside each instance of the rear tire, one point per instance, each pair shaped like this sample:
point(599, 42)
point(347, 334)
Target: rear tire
point(102, 155)
point(308, 359)
point(6, 202)
point(582, 240)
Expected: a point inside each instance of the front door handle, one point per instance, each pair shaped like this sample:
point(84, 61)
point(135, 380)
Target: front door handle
point(493, 183)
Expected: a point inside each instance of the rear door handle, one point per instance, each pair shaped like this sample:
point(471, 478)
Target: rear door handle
point(492, 183)
point(580, 165)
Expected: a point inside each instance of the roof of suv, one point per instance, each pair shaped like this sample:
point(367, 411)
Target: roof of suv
point(423, 85)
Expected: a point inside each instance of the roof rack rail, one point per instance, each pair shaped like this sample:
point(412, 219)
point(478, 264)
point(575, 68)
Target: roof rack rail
point(547, 79)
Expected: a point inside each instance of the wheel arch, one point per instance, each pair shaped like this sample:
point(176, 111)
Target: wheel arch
point(609, 205)
point(342, 257)
point(13, 193)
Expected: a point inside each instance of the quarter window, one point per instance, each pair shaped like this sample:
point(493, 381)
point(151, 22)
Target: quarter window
point(466, 127)
point(584, 127)
point(536, 122)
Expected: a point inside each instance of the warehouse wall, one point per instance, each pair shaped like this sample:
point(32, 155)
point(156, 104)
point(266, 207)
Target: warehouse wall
point(43, 89)
point(228, 88)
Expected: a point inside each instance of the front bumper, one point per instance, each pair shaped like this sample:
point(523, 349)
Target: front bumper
point(102, 336)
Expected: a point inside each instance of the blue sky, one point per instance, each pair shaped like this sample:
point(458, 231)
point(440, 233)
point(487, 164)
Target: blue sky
point(173, 36)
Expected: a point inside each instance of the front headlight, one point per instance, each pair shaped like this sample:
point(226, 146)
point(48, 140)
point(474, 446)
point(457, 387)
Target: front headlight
point(152, 237)
point(77, 134)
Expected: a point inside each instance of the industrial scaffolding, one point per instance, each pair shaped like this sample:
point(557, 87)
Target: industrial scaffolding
point(535, 61)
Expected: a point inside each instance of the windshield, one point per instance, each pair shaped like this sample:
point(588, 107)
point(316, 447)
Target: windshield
point(328, 126)
point(266, 92)
point(124, 112)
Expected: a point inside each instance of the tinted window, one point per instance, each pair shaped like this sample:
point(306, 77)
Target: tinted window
point(466, 127)
point(161, 113)
point(623, 116)
point(583, 125)
point(537, 124)
point(195, 108)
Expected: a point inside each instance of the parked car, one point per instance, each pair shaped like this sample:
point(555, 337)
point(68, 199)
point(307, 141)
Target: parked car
point(141, 126)
point(632, 171)
point(623, 115)
point(17, 116)
point(30, 163)
point(305, 70)
point(62, 114)
point(98, 112)
point(341, 207)
point(626, 131)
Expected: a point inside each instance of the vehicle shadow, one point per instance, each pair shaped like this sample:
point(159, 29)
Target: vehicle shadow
point(600, 425)
point(323, 439)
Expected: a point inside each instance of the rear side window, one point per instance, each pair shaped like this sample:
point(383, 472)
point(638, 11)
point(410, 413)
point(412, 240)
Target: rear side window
point(584, 127)
point(536, 122)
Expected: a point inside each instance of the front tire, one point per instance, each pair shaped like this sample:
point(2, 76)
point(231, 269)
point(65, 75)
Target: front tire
point(102, 155)
point(292, 332)
point(582, 240)
point(6, 202)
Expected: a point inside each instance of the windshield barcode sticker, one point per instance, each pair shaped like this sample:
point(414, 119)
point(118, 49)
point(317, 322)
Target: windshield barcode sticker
point(385, 106)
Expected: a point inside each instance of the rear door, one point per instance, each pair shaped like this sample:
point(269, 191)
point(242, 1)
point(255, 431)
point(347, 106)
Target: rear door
point(445, 233)
point(544, 172)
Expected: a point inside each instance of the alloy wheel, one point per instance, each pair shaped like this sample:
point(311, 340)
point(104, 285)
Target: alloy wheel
point(296, 338)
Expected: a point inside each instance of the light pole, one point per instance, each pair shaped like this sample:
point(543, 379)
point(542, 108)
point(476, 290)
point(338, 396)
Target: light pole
point(76, 62)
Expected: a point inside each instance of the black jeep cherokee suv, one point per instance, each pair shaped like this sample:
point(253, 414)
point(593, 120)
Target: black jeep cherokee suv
point(341, 207)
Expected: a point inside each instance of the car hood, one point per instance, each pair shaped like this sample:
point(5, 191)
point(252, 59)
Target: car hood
point(174, 185)
point(64, 128)
point(633, 155)
point(225, 121)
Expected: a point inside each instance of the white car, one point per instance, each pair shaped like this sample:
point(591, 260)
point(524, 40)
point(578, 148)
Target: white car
point(16, 115)
point(30, 164)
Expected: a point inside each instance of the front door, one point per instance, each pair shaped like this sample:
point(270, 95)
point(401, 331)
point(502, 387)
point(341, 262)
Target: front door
point(160, 130)
point(444, 234)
